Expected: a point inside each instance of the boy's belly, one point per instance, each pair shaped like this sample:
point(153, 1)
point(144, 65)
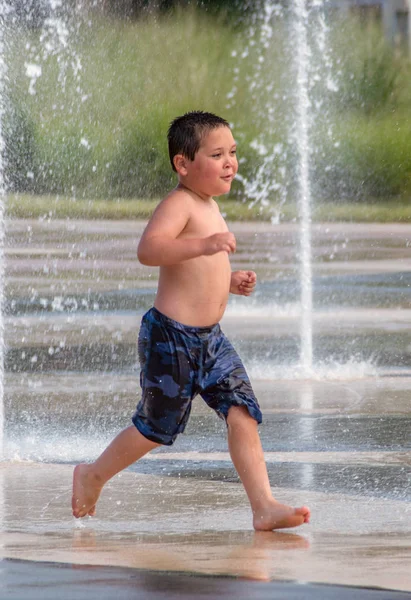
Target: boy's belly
point(203, 315)
point(195, 292)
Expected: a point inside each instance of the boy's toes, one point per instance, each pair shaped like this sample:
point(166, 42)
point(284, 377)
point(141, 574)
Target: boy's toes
point(304, 512)
point(78, 513)
point(75, 509)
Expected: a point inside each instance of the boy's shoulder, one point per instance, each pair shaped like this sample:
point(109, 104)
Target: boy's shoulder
point(180, 194)
point(181, 197)
point(176, 204)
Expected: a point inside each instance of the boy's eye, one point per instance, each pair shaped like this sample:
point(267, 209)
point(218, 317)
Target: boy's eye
point(233, 151)
point(216, 155)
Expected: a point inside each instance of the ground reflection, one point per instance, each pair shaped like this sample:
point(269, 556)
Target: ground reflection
point(339, 442)
point(241, 554)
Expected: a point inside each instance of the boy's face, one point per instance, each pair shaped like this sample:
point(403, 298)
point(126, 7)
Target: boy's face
point(215, 164)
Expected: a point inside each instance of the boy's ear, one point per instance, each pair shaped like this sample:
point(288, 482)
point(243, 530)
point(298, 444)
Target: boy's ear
point(180, 163)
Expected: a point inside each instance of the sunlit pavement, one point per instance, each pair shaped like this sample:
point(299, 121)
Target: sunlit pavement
point(196, 526)
point(178, 523)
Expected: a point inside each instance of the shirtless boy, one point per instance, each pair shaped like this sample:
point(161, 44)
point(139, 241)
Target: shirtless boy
point(182, 349)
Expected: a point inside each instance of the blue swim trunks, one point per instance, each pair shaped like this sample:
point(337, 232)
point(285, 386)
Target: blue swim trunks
point(177, 363)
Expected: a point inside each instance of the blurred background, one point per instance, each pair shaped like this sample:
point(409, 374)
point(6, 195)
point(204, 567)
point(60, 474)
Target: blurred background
point(87, 92)
point(92, 85)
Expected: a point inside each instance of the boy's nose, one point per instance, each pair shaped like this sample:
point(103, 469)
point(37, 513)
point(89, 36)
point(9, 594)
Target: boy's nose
point(231, 162)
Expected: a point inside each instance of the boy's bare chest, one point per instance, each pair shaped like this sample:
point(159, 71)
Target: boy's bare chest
point(205, 223)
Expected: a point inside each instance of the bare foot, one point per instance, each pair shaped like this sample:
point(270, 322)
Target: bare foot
point(86, 491)
point(279, 516)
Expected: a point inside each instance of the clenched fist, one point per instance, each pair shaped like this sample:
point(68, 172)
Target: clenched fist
point(243, 282)
point(220, 242)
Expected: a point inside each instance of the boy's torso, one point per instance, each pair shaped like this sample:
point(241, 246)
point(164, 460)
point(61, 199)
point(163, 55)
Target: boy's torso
point(195, 292)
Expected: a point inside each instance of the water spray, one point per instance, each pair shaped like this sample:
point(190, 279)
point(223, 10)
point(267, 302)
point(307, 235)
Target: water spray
point(4, 8)
point(302, 134)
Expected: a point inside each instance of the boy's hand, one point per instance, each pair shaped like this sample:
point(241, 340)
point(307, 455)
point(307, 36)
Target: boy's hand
point(243, 282)
point(220, 242)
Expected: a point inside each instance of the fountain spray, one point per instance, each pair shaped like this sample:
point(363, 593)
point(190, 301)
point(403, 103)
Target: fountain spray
point(302, 134)
point(3, 10)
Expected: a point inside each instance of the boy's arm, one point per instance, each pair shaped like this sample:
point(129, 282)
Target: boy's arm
point(160, 245)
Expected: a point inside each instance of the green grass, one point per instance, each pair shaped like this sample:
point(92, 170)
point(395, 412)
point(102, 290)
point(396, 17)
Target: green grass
point(367, 157)
point(136, 77)
point(43, 207)
point(38, 207)
point(103, 136)
point(380, 212)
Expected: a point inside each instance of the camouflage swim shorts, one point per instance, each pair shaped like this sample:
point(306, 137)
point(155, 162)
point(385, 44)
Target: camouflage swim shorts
point(178, 362)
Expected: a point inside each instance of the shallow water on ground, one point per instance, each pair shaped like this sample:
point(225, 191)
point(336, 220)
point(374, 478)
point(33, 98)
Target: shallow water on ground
point(76, 293)
point(339, 439)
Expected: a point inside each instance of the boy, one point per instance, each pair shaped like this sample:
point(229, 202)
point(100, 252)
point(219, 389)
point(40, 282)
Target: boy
point(182, 349)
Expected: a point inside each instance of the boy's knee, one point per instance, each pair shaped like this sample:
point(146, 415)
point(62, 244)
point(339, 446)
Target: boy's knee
point(238, 416)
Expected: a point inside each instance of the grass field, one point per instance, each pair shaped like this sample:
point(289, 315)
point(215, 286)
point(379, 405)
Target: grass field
point(43, 207)
point(99, 131)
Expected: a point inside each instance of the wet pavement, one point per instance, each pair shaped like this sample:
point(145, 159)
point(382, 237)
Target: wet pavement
point(203, 526)
point(86, 581)
point(338, 440)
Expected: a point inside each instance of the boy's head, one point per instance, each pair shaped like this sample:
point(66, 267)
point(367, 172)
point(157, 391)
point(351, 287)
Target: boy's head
point(186, 133)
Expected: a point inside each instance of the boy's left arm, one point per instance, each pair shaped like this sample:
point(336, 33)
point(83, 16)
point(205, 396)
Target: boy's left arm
point(243, 282)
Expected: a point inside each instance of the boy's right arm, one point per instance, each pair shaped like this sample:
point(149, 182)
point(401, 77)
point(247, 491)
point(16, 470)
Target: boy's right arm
point(160, 244)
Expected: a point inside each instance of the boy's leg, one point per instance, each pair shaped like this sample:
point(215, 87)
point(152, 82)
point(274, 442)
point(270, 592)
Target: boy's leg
point(248, 458)
point(89, 479)
point(166, 381)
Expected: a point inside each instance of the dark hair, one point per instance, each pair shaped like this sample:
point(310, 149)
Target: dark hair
point(186, 133)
